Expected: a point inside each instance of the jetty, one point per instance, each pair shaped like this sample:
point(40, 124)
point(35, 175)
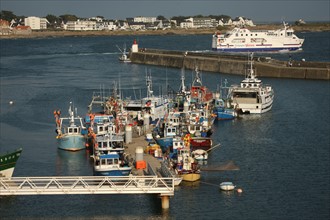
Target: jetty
point(230, 64)
point(145, 180)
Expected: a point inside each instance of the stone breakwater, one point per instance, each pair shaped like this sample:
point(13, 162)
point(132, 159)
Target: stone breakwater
point(232, 64)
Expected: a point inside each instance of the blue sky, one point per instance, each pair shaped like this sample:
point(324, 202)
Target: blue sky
point(258, 10)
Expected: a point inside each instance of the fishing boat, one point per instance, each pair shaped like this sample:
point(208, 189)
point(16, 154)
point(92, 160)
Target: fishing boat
point(186, 166)
point(200, 94)
point(124, 56)
point(151, 107)
point(222, 112)
point(164, 136)
point(70, 130)
point(227, 186)
point(8, 162)
point(155, 106)
point(110, 142)
point(251, 96)
point(111, 164)
point(241, 39)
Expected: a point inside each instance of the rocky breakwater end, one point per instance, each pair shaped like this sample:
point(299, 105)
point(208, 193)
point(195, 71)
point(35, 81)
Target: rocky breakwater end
point(232, 64)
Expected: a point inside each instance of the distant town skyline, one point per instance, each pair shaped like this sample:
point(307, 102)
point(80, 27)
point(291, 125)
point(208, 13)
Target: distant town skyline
point(257, 10)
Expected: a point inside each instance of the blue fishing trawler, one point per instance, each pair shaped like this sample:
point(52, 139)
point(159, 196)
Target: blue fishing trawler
point(111, 164)
point(70, 131)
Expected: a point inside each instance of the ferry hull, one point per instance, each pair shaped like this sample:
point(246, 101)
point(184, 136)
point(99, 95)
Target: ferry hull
point(256, 49)
point(71, 143)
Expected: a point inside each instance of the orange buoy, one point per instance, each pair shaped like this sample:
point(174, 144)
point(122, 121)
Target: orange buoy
point(239, 190)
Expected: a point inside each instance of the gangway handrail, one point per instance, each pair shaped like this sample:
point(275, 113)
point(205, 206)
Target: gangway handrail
point(57, 185)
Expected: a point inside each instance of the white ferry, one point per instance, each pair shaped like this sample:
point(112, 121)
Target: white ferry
point(245, 40)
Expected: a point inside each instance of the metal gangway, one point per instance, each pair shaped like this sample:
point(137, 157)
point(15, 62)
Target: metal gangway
point(57, 185)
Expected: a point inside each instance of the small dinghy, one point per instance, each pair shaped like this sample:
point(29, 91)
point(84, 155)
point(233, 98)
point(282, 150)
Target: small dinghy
point(227, 186)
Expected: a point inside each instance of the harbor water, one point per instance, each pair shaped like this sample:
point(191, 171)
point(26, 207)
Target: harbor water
point(283, 155)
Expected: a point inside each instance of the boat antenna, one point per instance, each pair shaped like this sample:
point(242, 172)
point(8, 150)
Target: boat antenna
point(183, 86)
point(149, 86)
point(197, 78)
point(71, 113)
point(119, 49)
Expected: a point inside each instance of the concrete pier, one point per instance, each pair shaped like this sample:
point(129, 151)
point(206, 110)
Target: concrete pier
point(232, 64)
point(153, 164)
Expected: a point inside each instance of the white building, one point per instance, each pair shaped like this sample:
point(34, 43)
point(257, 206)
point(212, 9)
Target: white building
point(98, 19)
point(36, 23)
point(80, 25)
point(203, 22)
point(145, 19)
point(106, 25)
point(241, 21)
point(186, 24)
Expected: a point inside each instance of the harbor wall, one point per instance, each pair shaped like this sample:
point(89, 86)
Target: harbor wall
point(232, 64)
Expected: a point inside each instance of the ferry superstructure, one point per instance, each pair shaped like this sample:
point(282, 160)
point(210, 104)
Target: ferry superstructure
point(245, 40)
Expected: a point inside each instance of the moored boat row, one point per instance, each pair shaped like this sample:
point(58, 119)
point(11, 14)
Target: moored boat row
point(180, 125)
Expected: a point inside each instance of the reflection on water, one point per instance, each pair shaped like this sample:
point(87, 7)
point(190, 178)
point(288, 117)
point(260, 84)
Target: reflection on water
point(76, 163)
point(228, 197)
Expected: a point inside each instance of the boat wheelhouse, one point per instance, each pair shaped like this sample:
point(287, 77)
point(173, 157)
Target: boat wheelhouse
point(111, 164)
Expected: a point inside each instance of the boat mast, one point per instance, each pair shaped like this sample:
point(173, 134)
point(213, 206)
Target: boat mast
point(250, 70)
point(197, 78)
point(183, 86)
point(149, 86)
point(71, 113)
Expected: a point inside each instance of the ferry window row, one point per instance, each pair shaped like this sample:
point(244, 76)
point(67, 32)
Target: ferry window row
point(246, 35)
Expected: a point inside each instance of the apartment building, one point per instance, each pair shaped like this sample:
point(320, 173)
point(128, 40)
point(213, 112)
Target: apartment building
point(36, 23)
point(80, 25)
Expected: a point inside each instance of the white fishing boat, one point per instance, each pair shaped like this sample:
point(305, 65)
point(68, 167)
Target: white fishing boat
point(70, 130)
point(186, 166)
point(241, 39)
point(155, 106)
point(227, 186)
point(124, 56)
point(152, 107)
point(251, 96)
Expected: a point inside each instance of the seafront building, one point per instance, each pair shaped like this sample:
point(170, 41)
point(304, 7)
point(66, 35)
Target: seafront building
point(36, 23)
point(136, 23)
point(80, 25)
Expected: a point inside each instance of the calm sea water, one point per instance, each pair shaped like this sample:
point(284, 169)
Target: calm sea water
point(283, 155)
